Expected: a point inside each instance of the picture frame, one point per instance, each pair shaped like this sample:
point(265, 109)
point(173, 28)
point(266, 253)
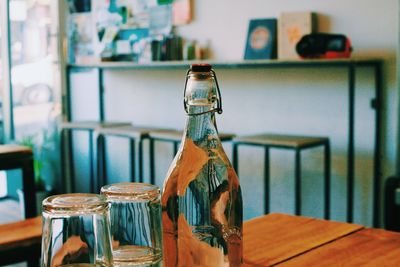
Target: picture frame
point(261, 42)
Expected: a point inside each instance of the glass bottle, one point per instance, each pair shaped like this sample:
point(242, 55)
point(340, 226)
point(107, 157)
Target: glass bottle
point(202, 209)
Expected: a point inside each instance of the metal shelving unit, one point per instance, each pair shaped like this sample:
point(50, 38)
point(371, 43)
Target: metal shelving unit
point(351, 65)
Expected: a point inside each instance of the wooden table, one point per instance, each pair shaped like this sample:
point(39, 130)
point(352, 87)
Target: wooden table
point(20, 241)
point(271, 240)
point(284, 240)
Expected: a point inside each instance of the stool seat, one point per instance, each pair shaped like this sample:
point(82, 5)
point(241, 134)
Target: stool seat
point(297, 144)
point(135, 134)
point(91, 125)
point(130, 131)
point(176, 136)
point(14, 152)
point(284, 141)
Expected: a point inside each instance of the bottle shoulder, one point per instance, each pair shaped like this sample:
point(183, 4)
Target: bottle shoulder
point(194, 163)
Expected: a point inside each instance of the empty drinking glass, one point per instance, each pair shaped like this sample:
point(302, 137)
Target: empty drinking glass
point(135, 223)
point(76, 231)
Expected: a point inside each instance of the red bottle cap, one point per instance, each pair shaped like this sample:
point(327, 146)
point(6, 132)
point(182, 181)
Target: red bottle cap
point(200, 67)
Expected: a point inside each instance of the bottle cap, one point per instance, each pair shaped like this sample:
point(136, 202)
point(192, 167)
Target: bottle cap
point(200, 67)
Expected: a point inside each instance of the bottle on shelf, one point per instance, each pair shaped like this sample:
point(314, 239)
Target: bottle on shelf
point(202, 209)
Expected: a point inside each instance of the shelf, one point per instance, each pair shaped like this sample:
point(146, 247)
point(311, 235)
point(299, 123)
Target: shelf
point(233, 64)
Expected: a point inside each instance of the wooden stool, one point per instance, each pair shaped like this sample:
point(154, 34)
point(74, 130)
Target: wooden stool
point(90, 127)
point(21, 157)
point(21, 241)
point(296, 143)
point(135, 135)
point(174, 137)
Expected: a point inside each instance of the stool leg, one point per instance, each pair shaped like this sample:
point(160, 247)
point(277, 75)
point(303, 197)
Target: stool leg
point(327, 174)
point(67, 161)
point(140, 161)
point(101, 161)
point(297, 170)
point(152, 162)
point(62, 159)
point(71, 160)
point(91, 170)
point(235, 158)
point(28, 178)
point(132, 153)
point(267, 204)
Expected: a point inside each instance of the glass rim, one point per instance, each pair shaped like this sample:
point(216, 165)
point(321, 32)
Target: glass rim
point(75, 203)
point(131, 191)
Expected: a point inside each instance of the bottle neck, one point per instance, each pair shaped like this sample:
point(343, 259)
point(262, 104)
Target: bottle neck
point(200, 127)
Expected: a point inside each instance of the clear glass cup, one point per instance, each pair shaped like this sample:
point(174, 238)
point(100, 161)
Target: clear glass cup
point(135, 218)
point(76, 231)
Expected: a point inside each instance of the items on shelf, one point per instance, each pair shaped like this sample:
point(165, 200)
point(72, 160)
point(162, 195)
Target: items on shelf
point(261, 39)
point(291, 27)
point(324, 45)
point(295, 36)
point(130, 30)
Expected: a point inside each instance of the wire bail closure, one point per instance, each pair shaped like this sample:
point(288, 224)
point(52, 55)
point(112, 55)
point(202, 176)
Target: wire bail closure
point(217, 109)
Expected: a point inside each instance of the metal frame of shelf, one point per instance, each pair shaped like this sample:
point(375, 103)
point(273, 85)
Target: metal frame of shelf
point(350, 64)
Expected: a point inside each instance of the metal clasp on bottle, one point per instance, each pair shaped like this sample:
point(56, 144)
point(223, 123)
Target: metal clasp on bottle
point(218, 107)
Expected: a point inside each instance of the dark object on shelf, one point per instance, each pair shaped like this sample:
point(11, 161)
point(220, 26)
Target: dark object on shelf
point(261, 39)
point(156, 50)
point(324, 45)
point(297, 144)
point(392, 204)
point(173, 48)
point(124, 13)
point(79, 6)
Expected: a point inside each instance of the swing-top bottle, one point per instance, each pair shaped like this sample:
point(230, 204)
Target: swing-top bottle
point(202, 209)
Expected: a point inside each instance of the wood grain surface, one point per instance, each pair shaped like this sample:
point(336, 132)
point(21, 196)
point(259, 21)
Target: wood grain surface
point(20, 234)
point(369, 247)
point(274, 238)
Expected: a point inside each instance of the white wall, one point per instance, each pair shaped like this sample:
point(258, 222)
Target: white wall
point(290, 101)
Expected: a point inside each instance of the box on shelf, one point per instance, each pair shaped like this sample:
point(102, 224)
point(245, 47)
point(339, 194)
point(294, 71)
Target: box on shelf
point(291, 27)
point(261, 39)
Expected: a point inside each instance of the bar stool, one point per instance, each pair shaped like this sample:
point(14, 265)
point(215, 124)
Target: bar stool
point(296, 143)
point(174, 137)
point(135, 135)
point(21, 157)
point(88, 126)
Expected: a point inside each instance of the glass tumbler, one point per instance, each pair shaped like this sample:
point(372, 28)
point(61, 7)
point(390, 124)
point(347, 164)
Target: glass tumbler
point(76, 231)
point(135, 218)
